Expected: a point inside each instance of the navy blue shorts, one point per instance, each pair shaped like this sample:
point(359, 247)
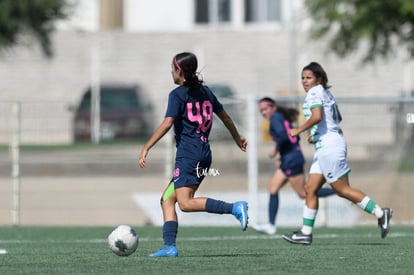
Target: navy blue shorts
point(292, 166)
point(191, 165)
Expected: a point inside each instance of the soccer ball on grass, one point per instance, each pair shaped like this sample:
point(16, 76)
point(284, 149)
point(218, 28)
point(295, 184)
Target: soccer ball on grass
point(123, 240)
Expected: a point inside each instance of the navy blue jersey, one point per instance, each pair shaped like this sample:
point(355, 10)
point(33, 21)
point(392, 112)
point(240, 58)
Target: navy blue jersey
point(280, 131)
point(192, 111)
point(287, 146)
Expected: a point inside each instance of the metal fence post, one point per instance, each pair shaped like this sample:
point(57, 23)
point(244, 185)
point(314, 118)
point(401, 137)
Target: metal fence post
point(15, 155)
point(252, 164)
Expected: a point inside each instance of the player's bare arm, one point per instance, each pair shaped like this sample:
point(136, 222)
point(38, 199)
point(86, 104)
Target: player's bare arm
point(164, 127)
point(315, 118)
point(228, 122)
point(273, 153)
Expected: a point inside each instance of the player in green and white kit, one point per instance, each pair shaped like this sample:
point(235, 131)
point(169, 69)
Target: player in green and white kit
point(329, 163)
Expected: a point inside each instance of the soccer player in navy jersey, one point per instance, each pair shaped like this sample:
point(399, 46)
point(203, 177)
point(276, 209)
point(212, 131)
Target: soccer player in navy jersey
point(290, 161)
point(190, 110)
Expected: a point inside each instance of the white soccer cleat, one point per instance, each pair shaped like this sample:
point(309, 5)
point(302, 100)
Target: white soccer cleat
point(266, 228)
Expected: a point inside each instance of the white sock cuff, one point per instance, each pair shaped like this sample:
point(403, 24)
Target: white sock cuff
point(364, 202)
point(309, 213)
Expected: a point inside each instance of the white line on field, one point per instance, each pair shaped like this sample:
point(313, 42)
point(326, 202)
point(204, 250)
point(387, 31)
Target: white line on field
point(218, 238)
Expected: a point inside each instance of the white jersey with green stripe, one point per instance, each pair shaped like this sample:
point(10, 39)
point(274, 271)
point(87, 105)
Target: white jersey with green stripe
point(318, 97)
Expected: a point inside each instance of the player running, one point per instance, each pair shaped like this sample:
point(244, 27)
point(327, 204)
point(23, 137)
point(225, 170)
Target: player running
point(190, 109)
point(290, 163)
point(329, 161)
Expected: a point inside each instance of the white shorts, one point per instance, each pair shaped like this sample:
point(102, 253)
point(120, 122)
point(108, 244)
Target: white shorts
point(330, 160)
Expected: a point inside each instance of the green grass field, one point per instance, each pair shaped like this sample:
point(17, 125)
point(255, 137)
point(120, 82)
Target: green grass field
point(202, 250)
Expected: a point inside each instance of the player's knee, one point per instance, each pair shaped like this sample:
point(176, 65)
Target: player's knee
point(302, 195)
point(184, 206)
point(309, 190)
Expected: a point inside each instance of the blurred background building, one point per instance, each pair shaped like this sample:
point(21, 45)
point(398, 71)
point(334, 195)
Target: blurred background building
point(255, 47)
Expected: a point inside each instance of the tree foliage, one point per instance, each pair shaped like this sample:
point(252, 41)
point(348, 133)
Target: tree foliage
point(384, 24)
point(22, 19)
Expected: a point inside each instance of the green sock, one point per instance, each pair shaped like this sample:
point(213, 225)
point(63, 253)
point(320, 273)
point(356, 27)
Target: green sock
point(370, 207)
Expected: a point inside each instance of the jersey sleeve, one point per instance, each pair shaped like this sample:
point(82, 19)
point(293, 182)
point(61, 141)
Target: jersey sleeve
point(217, 106)
point(315, 96)
point(173, 107)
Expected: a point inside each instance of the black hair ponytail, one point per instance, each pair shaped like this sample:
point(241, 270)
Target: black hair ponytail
point(188, 64)
point(291, 114)
point(319, 73)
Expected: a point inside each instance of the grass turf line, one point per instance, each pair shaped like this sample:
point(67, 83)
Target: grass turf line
point(202, 250)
